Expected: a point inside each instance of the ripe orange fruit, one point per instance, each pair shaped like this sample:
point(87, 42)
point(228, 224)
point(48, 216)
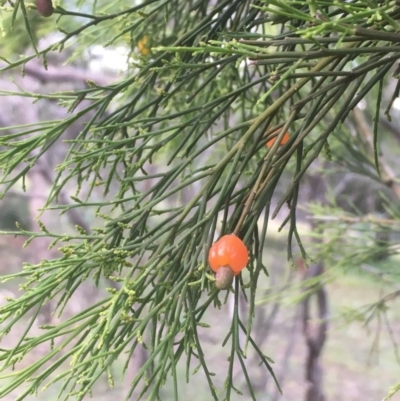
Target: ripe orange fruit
point(227, 258)
point(284, 140)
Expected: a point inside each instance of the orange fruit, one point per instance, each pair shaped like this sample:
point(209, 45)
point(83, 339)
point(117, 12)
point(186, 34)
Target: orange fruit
point(227, 258)
point(284, 140)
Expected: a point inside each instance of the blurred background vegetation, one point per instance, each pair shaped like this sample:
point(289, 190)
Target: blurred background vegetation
point(134, 136)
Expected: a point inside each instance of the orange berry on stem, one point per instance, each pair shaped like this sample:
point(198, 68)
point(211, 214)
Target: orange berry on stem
point(227, 258)
point(284, 140)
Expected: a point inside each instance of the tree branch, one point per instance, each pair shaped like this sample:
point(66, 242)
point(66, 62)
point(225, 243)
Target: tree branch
point(315, 336)
point(61, 75)
point(388, 176)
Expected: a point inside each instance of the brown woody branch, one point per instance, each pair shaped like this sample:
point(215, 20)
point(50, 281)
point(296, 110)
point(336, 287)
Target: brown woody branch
point(61, 75)
point(315, 335)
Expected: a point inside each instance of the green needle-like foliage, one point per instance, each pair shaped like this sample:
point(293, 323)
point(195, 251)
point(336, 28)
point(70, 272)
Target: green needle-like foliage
point(208, 84)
